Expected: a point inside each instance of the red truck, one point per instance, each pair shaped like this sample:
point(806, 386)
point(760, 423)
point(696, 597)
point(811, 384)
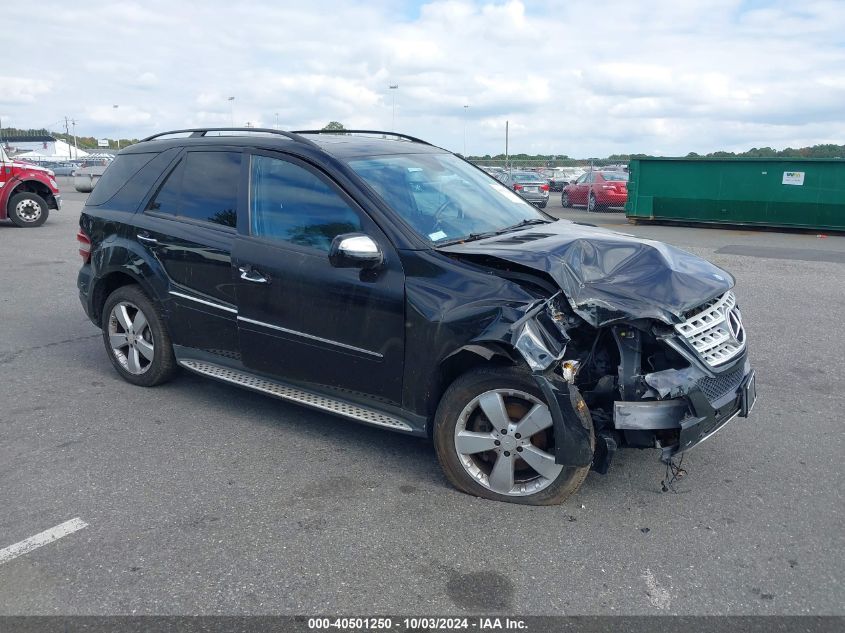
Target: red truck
point(27, 192)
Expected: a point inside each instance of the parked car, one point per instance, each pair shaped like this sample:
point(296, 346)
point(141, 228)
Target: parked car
point(558, 180)
point(597, 190)
point(528, 184)
point(389, 282)
point(62, 169)
point(27, 192)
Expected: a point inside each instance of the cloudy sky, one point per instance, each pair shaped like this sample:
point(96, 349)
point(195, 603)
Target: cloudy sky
point(583, 78)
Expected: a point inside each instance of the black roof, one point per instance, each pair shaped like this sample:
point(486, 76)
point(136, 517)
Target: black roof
point(344, 145)
point(42, 138)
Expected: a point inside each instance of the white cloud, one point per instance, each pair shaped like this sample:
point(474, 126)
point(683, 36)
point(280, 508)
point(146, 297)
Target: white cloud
point(22, 90)
point(575, 77)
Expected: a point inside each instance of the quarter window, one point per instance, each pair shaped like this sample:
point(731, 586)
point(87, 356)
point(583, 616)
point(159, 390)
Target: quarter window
point(291, 204)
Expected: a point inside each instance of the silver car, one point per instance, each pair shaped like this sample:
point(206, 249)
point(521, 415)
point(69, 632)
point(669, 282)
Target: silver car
point(530, 185)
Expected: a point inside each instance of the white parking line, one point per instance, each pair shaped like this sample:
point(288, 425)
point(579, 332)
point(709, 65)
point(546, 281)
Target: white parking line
point(42, 538)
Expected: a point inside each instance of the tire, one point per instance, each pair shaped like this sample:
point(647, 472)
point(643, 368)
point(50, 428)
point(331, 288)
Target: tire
point(592, 206)
point(27, 210)
point(141, 352)
point(542, 205)
point(472, 468)
point(564, 200)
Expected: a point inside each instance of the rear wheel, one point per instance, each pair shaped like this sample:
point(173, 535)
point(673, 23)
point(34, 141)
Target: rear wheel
point(136, 338)
point(591, 203)
point(27, 209)
point(494, 438)
point(564, 200)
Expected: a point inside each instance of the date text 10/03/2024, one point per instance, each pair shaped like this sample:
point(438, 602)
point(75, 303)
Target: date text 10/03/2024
point(430, 623)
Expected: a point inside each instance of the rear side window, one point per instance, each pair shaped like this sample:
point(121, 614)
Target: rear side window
point(291, 204)
point(203, 186)
point(121, 169)
point(210, 187)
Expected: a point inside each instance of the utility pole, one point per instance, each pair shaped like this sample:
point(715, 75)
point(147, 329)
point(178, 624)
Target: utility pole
point(118, 134)
point(507, 158)
point(75, 142)
point(393, 87)
point(232, 109)
point(466, 107)
point(67, 134)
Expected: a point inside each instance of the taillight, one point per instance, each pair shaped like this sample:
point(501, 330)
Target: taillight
point(84, 246)
point(517, 187)
point(544, 187)
point(608, 186)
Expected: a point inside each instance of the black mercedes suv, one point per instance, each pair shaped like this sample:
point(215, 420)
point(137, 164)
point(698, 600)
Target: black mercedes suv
point(379, 278)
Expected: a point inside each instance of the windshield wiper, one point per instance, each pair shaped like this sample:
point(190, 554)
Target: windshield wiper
point(519, 225)
point(466, 238)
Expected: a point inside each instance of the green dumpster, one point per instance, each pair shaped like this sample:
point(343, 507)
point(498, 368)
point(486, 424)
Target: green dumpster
point(786, 192)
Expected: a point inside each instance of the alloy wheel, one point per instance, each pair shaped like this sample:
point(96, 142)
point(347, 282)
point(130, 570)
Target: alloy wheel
point(131, 338)
point(503, 438)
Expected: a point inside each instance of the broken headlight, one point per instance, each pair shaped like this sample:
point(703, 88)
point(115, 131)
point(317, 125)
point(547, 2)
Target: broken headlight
point(539, 346)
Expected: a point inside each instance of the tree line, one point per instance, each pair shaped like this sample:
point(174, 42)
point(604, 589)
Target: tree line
point(825, 150)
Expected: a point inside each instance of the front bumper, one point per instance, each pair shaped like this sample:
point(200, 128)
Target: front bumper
point(678, 424)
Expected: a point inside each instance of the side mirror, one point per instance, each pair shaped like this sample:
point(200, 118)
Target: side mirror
point(354, 250)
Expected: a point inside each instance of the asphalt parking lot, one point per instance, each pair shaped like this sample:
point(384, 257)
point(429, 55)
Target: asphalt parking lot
point(200, 498)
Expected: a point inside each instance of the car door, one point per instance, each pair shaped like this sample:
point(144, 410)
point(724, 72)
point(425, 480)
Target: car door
point(579, 193)
point(189, 224)
point(300, 318)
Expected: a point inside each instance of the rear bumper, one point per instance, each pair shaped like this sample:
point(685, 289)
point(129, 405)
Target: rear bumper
point(615, 199)
point(84, 282)
point(678, 424)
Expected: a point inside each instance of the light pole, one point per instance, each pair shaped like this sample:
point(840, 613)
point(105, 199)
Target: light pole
point(114, 107)
point(232, 109)
point(466, 107)
point(277, 120)
point(393, 87)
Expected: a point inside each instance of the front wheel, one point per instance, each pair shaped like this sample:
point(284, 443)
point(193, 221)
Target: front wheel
point(136, 338)
point(564, 200)
point(27, 210)
point(494, 438)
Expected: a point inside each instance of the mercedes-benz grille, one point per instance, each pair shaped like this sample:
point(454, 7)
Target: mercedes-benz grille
point(715, 331)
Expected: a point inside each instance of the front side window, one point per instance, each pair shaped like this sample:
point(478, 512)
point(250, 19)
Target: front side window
point(441, 197)
point(292, 204)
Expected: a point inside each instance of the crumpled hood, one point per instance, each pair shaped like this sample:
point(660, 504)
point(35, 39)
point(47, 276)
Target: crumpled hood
point(608, 276)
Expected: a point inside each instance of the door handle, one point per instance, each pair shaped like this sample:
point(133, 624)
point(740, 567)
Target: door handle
point(250, 274)
point(146, 239)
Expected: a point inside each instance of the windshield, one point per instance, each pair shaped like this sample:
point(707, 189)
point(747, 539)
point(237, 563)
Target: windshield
point(443, 198)
point(615, 175)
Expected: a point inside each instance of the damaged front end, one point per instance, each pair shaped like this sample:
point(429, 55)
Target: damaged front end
point(646, 336)
point(646, 384)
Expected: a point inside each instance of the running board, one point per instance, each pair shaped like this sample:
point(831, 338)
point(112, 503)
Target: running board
point(285, 392)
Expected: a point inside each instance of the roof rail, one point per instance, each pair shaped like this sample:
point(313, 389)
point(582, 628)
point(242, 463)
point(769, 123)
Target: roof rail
point(413, 139)
point(201, 132)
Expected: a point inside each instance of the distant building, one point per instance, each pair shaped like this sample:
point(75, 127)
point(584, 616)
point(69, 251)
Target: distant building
point(42, 148)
